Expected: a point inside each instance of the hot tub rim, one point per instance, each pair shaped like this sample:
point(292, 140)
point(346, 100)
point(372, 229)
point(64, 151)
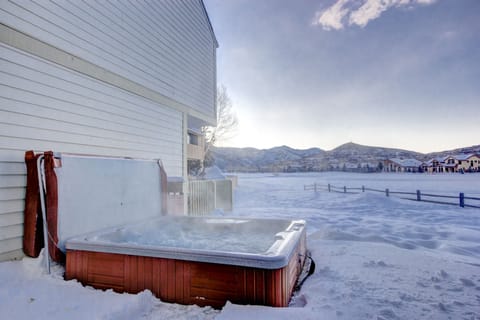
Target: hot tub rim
point(273, 260)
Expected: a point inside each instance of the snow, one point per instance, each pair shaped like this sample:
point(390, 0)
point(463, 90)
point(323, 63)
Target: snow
point(26, 292)
point(377, 257)
point(213, 173)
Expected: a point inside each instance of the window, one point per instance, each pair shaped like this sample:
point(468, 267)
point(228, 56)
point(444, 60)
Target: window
point(192, 139)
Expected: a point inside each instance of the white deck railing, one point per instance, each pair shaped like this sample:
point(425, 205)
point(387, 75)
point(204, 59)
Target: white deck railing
point(204, 196)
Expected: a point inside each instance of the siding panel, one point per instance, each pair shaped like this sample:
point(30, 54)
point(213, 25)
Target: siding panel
point(11, 231)
point(12, 193)
point(170, 162)
point(166, 46)
point(12, 181)
point(10, 206)
point(85, 114)
point(10, 219)
point(11, 244)
point(11, 255)
point(11, 168)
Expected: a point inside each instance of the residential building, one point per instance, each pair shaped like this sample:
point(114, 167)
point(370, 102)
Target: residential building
point(402, 165)
point(468, 162)
point(451, 164)
point(435, 165)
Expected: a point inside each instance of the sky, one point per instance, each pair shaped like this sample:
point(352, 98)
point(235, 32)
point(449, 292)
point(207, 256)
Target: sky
point(391, 73)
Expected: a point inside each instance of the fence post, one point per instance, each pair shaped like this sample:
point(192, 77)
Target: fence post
point(363, 188)
point(387, 192)
point(462, 199)
point(329, 187)
point(344, 189)
point(419, 195)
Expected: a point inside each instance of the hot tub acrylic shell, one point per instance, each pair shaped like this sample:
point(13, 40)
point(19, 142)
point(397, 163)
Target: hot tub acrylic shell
point(194, 272)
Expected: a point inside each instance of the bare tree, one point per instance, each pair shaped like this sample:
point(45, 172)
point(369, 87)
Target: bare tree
point(227, 122)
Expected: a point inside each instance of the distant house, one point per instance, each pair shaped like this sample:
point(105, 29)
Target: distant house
point(451, 164)
point(402, 165)
point(468, 162)
point(118, 78)
point(435, 165)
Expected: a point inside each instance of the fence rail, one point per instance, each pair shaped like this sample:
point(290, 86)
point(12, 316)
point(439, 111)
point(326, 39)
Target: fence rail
point(415, 196)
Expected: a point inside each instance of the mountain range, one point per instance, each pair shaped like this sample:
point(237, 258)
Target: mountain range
point(347, 157)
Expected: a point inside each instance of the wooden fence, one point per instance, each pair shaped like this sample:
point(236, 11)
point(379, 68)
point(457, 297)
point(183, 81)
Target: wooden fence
point(461, 199)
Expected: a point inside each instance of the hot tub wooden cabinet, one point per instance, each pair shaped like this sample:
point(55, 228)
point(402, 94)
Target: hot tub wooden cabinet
point(193, 276)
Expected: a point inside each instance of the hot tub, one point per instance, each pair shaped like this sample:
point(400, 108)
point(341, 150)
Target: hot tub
point(191, 260)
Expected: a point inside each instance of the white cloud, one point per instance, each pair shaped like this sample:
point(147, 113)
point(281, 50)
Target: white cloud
point(425, 1)
point(371, 9)
point(333, 16)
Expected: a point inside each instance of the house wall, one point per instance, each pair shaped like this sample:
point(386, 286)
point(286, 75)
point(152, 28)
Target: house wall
point(391, 166)
point(166, 46)
point(472, 163)
point(107, 78)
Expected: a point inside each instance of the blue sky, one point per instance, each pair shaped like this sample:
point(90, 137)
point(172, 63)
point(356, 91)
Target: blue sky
point(393, 73)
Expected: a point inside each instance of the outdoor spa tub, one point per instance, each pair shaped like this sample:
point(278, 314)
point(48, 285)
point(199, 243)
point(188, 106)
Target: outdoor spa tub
point(106, 219)
point(190, 260)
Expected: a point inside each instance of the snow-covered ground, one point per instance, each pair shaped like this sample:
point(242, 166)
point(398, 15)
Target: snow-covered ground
point(377, 257)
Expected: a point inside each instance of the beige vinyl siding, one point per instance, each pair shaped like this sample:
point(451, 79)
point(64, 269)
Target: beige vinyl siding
point(44, 106)
point(166, 46)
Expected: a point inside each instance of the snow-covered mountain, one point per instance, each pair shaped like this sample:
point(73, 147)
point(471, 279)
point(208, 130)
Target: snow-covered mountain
point(255, 160)
point(349, 156)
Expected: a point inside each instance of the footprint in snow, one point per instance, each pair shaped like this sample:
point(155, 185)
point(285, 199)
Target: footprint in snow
point(299, 301)
point(387, 314)
point(467, 282)
point(442, 307)
point(325, 270)
point(443, 274)
point(373, 264)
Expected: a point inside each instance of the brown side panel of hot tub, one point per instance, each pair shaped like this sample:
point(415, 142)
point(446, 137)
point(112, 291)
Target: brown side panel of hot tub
point(181, 281)
point(125, 273)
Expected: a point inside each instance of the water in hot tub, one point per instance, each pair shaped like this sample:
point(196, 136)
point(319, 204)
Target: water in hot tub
point(225, 235)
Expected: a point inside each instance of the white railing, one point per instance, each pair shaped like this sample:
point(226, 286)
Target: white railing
point(204, 196)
